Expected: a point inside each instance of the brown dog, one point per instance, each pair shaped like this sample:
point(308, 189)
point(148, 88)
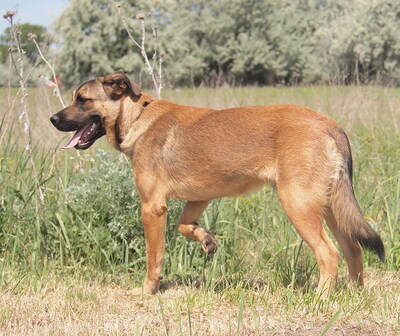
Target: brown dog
point(198, 154)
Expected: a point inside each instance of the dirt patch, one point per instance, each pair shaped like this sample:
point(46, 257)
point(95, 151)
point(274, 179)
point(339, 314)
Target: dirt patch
point(65, 308)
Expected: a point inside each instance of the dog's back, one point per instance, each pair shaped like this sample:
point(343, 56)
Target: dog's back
point(208, 153)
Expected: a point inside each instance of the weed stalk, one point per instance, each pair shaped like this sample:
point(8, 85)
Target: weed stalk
point(15, 38)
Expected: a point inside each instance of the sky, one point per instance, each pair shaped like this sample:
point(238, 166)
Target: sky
point(42, 12)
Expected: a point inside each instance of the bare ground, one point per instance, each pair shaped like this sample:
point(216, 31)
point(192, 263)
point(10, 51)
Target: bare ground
point(60, 307)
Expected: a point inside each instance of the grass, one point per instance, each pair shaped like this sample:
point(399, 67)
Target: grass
point(90, 305)
point(67, 266)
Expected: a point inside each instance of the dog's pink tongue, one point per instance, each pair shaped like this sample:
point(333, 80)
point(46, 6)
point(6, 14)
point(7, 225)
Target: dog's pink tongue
point(74, 140)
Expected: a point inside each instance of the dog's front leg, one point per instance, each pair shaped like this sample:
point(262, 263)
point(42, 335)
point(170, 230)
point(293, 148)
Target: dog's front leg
point(153, 218)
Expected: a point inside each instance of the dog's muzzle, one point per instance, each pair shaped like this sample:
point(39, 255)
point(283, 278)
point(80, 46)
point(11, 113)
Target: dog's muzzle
point(86, 132)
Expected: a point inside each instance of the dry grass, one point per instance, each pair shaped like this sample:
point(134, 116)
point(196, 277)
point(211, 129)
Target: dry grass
point(347, 105)
point(78, 303)
point(74, 306)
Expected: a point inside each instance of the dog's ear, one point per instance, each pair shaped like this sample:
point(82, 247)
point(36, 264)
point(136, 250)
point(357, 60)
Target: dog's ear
point(118, 84)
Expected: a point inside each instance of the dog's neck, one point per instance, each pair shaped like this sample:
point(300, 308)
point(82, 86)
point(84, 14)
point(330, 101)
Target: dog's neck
point(130, 113)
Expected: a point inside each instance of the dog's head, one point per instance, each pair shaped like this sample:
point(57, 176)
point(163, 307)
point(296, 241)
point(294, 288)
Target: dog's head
point(95, 104)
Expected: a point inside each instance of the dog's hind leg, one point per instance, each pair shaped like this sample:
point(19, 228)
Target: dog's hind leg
point(305, 212)
point(351, 249)
point(189, 227)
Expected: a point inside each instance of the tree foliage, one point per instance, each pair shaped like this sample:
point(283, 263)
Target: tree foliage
point(31, 55)
point(29, 48)
point(238, 42)
point(94, 40)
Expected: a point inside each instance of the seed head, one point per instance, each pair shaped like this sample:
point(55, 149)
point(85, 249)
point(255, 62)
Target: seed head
point(9, 14)
point(31, 36)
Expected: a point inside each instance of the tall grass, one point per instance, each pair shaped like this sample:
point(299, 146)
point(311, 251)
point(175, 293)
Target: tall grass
point(90, 218)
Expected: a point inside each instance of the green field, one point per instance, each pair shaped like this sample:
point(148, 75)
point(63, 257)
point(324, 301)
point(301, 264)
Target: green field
point(67, 264)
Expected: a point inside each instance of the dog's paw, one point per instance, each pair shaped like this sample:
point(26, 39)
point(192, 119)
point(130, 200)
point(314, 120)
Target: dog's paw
point(142, 291)
point(209, 245)
point(138, 291)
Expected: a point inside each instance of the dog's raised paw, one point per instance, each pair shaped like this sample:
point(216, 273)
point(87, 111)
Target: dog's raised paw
point(209, 244)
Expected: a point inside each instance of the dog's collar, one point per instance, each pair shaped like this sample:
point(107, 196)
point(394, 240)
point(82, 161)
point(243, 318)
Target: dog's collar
point(118, 139)
point(144, 105)
point(117, 133)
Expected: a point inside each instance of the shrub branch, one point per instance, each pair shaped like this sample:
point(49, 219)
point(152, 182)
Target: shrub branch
point(155, 76)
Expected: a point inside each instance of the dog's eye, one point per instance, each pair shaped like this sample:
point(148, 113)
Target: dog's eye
point(81, 100)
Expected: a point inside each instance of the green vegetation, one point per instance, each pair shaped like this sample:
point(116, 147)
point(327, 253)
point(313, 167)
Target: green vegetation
point(87, 233)
point(24, 30)
point(239, 42)
point(68, 262)
point(31, 57)
point(211, 43)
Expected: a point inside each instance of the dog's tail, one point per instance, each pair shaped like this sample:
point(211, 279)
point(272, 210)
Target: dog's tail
point(343, 203)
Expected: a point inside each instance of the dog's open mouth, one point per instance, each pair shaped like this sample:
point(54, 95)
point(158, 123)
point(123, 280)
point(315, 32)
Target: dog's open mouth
point(87, 135)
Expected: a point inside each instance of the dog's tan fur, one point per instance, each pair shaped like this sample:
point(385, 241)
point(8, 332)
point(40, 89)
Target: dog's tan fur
point(198, 154)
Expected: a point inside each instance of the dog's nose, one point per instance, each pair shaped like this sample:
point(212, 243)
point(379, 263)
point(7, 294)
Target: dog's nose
point(54, 118)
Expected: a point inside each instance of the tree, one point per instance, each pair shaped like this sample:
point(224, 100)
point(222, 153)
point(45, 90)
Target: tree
point(95, 42)
point(3, 53)
point(223, 41)
point(31, 58)
point(29, 47)
point(358, 41)
point(238, 42)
